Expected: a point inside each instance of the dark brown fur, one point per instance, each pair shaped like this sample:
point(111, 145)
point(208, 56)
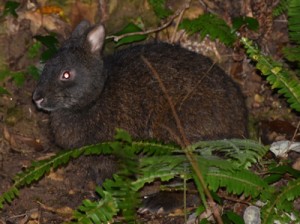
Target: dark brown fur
point(208, 102)
point(98, 94)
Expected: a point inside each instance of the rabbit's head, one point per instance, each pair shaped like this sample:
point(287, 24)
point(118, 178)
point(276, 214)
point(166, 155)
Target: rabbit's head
point(74, 77)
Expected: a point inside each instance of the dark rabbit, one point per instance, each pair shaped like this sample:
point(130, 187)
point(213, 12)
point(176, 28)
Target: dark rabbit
point(89, 95)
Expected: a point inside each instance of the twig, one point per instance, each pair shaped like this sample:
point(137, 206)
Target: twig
point(190, 93)
point(187, 5)
point(103, 11)
point(172, 133)
point(295, 132)
point(185, 144)
point(117, 38)
point(294, 136)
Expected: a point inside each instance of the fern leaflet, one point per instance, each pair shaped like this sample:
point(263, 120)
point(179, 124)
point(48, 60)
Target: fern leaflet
point(280, 207)
point(281, 8)
point(212, 25)
point(285, 81)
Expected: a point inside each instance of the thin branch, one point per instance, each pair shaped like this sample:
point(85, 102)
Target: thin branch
point(117, 38)
point(185, 144)
point(187, 5)
point(192, 91)
point(102, 4)
point(295, 132)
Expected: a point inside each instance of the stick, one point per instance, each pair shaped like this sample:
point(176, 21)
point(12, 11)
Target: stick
point(185, 144)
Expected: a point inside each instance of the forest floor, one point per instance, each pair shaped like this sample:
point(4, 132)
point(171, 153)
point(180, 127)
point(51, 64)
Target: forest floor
point(25, 136)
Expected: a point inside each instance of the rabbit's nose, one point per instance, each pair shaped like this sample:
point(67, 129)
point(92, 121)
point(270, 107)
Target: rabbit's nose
point(38, 102)
point(37, 99)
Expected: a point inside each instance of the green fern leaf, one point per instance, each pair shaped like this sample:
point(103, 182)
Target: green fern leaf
point(130, 28)
point(212, 25)
point(281, 204)
point(276, 172)
point(10, 8)
point(240, 152)
point(97, 212)
point(236, 182)
point(292, 53)
point(287, 83)
point(281, 8)
point(160, 162)
point(294, 18)
point(250, 22)
point(154, 148)
point(38, 169)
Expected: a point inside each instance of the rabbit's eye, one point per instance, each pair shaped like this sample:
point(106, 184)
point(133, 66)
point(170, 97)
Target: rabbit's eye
point(66, 75)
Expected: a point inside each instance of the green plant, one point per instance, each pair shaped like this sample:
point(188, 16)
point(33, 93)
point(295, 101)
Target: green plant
point(212, 25)
point(35, 50)
point(165, 162)
point(17, 77)
point(292, 53)
point(276, 74)
point(51, 44)
point(159, 161)
point(281, 208)
point(159, 8)
point(216, 28)
point(10, 8)
point(130, 28)
point(281, 8)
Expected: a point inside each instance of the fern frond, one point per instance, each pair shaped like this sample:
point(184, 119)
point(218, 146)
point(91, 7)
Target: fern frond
point(125, 196)
point(281, 8)
point(121, 187)
point(280, 78)
point(116, 195)
point(237, 182)
point(212, 25)
point(164, 162)
point(242, 152)
point(39, 169)
point(294, 18)
point(218, 173)
point(8, 196)
point(281, 205)
point(160, 167)
point(292, 53)
point(154, 148)
point(101, 211)
point(275, 173)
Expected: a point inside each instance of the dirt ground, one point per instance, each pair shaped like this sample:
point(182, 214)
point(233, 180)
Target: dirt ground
point(25, 136)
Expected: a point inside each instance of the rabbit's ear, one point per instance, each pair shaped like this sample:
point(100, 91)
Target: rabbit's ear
point(80, 29)
point(96, 38)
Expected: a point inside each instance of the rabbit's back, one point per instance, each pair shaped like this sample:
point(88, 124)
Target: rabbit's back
point(209, 104)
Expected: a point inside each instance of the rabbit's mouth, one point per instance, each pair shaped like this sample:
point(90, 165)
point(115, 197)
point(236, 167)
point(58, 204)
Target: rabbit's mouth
point(42, 103)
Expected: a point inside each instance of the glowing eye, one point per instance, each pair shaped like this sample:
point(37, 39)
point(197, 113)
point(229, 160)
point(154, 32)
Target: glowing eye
point(66, 75)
